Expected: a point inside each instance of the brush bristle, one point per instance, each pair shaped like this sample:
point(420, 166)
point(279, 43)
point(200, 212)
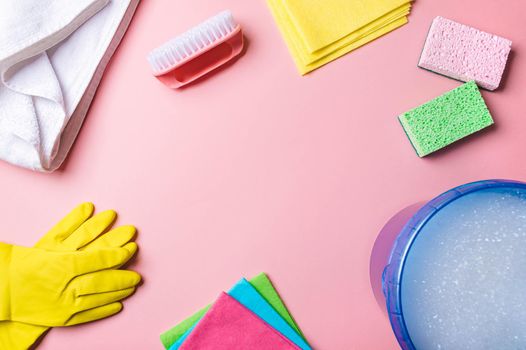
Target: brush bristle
point(192, 41)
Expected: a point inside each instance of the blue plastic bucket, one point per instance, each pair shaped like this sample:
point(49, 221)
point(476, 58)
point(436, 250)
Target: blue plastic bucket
point(456, 276)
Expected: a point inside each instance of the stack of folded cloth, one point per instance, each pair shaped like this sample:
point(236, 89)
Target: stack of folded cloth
point(318, 32)
point(250, 316)
point(52, 56)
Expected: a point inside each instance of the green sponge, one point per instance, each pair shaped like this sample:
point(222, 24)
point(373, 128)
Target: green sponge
point(446, 119)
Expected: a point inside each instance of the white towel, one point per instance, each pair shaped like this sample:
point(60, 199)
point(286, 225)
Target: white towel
point(52, 56)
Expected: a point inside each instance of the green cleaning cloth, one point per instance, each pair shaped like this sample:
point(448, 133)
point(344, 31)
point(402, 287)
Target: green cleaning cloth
point(264, 287)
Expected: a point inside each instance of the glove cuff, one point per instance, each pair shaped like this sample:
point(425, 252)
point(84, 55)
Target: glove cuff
point(19, 336)
point(5, 260)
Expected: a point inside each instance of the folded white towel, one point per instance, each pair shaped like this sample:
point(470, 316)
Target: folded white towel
point(52, 56)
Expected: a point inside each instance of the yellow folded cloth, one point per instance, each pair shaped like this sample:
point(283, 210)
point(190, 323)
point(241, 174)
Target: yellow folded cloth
point(318, 32)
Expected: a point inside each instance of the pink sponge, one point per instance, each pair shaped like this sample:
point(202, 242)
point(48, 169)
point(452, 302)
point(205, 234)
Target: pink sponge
point(464, 53)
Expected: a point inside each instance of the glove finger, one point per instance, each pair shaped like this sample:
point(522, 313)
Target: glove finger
point(132, 249)
point(90, 230)
point(95, 314)
point(115, 238)
point(93, 260)
point(96, 300)
point(104, 281)
point(66, 226)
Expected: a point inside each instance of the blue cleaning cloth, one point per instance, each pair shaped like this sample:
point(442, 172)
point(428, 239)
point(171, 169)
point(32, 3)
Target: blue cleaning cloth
point(249, 297)
point(181, 340)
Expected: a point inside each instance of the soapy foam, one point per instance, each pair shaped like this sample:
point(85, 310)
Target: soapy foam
point(464, 281)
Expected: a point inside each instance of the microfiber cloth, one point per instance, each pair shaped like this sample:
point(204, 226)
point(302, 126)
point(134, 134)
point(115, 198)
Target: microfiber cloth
point(319, 32)
point(52, 56)
point(248, 296)
point(264, 287)
point(228, 325)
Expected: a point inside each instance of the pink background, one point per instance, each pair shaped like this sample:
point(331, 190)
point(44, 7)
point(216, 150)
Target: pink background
point(259, 169)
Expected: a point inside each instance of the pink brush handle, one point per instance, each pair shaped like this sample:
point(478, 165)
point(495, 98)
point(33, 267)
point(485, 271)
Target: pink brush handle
point(204, 62)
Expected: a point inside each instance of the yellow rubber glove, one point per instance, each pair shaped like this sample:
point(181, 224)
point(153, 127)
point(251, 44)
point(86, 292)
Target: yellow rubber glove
point(77, 231)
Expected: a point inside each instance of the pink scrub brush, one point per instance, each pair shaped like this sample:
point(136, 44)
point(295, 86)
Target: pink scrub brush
point(197, 51)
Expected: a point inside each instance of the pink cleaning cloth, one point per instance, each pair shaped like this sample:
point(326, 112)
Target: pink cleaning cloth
point(228, 325)
point(464, 53)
